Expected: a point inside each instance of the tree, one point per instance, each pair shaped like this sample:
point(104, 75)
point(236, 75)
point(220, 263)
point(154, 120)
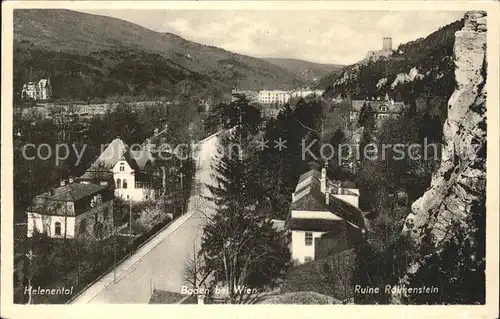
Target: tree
point(239, 244)
point(195, 275)
point(367, 116)
point(240, 111)
point(152, 214)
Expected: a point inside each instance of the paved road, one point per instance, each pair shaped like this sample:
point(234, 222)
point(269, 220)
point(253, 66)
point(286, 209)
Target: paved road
point(161, 262)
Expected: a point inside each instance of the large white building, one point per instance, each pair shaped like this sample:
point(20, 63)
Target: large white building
point(324, 218)
point(279, 97)
point(273, 97)
point(71, 210)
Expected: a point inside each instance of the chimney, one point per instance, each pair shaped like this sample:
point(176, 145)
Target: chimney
point(71, 180)
point(323, 178)
point(156, 131)
point(63, 182)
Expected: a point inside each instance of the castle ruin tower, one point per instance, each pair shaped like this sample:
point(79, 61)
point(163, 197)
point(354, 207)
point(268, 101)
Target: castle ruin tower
point(387, 44)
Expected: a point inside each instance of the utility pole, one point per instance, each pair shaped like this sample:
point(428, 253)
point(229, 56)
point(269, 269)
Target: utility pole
point(30, 257)
point(130, 219)
point(30, 171)
point(182, 192)
point(114, 251)
point(182, 177)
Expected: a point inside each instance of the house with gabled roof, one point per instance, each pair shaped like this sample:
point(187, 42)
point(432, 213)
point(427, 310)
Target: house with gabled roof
point(72, 210)
point(323, 216)
point(137, 174)
point(382, 108)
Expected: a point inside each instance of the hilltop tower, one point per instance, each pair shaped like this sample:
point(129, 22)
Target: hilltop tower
point(387, 44)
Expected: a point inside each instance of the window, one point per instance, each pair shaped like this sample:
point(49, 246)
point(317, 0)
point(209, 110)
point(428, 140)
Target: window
point(308, 259)
point(124, 183)
point(105, 213)
point(128, 196)
point(122, 167)
point(118, 183)
point(58, 229)
point(309, 238)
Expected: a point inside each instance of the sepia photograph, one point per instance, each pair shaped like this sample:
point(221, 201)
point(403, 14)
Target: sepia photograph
point(248, 156)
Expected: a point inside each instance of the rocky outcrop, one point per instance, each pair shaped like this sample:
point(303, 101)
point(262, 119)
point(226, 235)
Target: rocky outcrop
point(461, 177)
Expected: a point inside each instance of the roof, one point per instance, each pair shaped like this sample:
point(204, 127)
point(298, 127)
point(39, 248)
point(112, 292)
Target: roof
point(116, 151)
point(157, 138)
point(43, 82)
point(138, 159)
point(96, 174)
point(111, 155)
point(168, 297)
point(142, 157)
point(310, 198)
point(73, 192)
point(320, 225)
point(278, 225)
point(52, 201)
point(312, 176)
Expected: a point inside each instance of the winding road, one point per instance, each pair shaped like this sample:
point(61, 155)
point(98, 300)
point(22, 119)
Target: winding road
point(161, 262)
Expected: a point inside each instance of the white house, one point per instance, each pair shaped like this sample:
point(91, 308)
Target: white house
point(71, 210)
point(119, 164)
point(322, 215)
point(41, 90)
point(137, 174)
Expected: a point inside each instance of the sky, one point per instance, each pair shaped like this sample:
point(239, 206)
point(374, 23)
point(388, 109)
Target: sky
point(339, 37)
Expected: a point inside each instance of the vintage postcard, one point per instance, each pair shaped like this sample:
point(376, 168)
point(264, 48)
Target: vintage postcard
point(259, 153)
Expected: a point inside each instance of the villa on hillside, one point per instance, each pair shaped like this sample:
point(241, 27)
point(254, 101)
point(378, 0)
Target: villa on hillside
point(72, 210)
point(324, 218)
point(383, 108)
point(137, 174)
point(41, 90)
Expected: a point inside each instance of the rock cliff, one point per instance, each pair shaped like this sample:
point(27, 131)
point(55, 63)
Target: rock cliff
point(461, 177)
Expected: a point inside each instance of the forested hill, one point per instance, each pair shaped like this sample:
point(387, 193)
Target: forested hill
point(89, 55)
point(417, 72)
